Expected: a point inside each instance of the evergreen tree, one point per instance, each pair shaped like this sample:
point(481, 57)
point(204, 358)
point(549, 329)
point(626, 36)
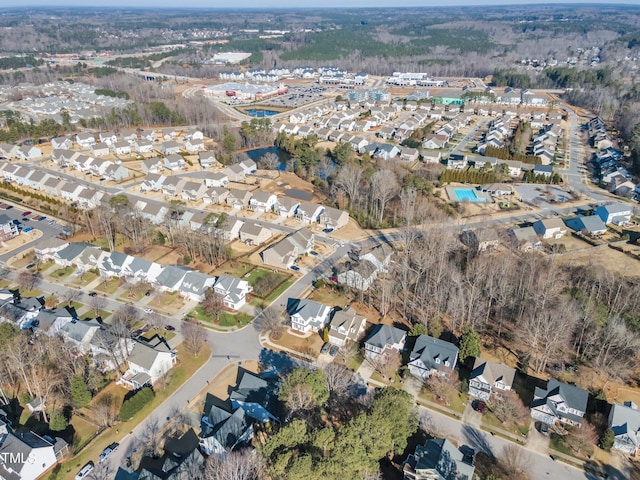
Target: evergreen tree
point(57, 422)
point(469, 344)
point(79, 391)
point(607, 440)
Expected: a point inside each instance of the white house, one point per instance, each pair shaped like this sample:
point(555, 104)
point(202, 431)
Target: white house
point(382, 338)
point(624, 421)
point(432, 355)
point(307, 315)
point(262, 201)
point(232, 290)
point(616, 213)
point(550, 228)
point(346, 325)
point(148, 361)
point(559, 402)
point(489, 377)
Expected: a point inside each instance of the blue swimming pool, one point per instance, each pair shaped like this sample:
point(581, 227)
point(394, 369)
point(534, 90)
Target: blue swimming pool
point(468, 195)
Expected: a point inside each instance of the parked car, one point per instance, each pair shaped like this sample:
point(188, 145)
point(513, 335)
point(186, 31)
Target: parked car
point(93, 294)
point(15, 221)
point(9, 207)
point(40, 219)
point(26, 214)
point(147, 293)
point(170, 328)
point(52, 222)
point(84, 471)
point(27, 230)
point(325, 348)
point(543, 428)
point(294, 267)
point(314, 253)
point(479, 406)
point(30, 266)
point(148, 310)
point(108, 451)
point(333, 351)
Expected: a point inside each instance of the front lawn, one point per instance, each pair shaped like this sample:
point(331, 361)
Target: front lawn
point(62, 272)
point(85, 279)
point(489, 419)
point(110, 287)
point(226, 319)
point(330, 296)
point(557, 443)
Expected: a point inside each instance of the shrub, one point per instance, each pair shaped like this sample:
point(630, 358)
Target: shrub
point(134, 404)
point(57, 422)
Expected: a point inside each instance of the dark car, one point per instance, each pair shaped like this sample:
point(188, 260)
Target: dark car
point(325, 348)
point(543, 428)
point(30, 266)
point(294, 267)
point(9, 207)
point(333, 351)
point(26, 214)
point(93, 294)
point(170, 328)
point(15, 221)
point(147, 293)
point(314, 253)
point(479, 406)
point(25, 219)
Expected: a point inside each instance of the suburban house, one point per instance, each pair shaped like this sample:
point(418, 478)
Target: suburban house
point(624, 421)
point(439, 459)
point(489, 377)
point(382, 338)
point(152, 182)
point(181, 459)
point(432, 355)
point(616, 213)
point(249, 166)
point(309, 212)
point(152, 165)
point(99, 149)
point(550, 228)
point(108, 137)
point(346, 325)
point(116, 173)
point(122, 148)
point(262, 201)
point(85, 140)
point(238, 198)
point(235, 172)
point(207, 160)
point(362, 268)
point(195, 284)
point(230, 228)
point(149, 360)
point(591, 225)
point(27, 455)
point(215, 195)
point(171, 147)
point(61, 143)
point(174, 162)
point(216, 179)
point(254, 234)
point(287, 206)
point(559, 402)
point(284, 253)
point(190, 190)
point(526, 239)
point(232, 290)
point(307, 315)
point(143, 146)
point(332, 218)
point(194, 145)
point(8, 229)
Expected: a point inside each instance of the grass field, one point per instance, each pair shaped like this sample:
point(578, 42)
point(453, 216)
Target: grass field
point(226, 319)
point(62, 272)
point(110, 287)
point(329, 296)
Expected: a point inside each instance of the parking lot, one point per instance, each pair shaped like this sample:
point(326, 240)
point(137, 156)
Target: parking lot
point(298, 96)
point(543, 196)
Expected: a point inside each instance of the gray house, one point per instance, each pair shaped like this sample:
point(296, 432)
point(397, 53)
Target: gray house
point(384, 337)
point(432, 355)
point(489, 377)
point(559, 402)
point(439, 459)
point(307, 315)
point(624, 420)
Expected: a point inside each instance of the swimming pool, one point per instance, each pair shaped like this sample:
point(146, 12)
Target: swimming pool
point(468, 195)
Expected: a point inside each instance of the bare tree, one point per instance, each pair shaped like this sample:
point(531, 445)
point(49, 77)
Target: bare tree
point(515, 462)
point(97, 304)
point(156, 321)
point(69, 295)
point(212, 303)
point(508, 408)
point(236, 465)
point(387, 363)
point(194, 337)
point(269, 161)
point(349, 179)
point(270, 322)
point(339, 379)
point(27, 280)
point(105, 410)
point(384, 186)
point(444, 387)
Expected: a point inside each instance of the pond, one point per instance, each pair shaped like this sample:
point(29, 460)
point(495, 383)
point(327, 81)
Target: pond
point(286, 162)
point(260, 113)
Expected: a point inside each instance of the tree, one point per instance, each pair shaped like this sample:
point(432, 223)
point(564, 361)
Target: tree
point(339, 379)
point(236, 465)
point(607, 440)
point(105, 410)
point(27, 280)
point(270, 322)
point(582, 439)
point(515, 462)
point(303, 389)
point(508, 408)
point(194, 337)
point(58, 422)
point(417, 329)
point(269, 161)
point(212, 303)
point(384, 186)
point(387, 363)
point(469, 344)
point(443, 386)
point(79, 392)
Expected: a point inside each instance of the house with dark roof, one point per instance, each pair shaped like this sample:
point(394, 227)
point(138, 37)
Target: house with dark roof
point(489, 377)
point(616, 213)
point(559, 402)
point(382, 338)
point(307, 315)
point(590, 225)
point(170, 279)
point(27, 456)
point(432, 356)
point(254, 234)
point(181, 460)
point(439, 459)
point(624, 421)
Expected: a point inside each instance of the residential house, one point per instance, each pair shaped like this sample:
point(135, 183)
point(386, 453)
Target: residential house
point(456, 161)
point(207, 160)
point(152, 182)
point(169, 186)
point(36, 179)
point(29, 152)
point(215, 195)
point(624, 421)
point(85, 140)
point(174, 162)
point(544, 170)
point(346, 326)
point(195, 284)
point(79, 333)
point(430, 156)
point(194, 145)
point(61, 143)
point(216, 179)
point(432, 356)
point(98, 166)
point(615, 213)
point(386, 151)
point(116, 172)
point(439, 459)
point(235, 173)
point(149, 135)
point(122, 148)
point(409, 154)
point(249, 166)
point(53, 186)
point(333, 219)
point(592, 225)
point(152, 165)
point(287, 206)
point(526, 239)
point(47, 247)
point(129, 136)
point(254, 234)
point(190, 190)
point(489, 377)
point(238, 198)
point(194, 134)
point(8, 229)
point(262, 201)
point(27, 456)
point(307, 315)
point(480, 240)
point(149, 360)
point(170, 278)
point(309, 212)
point(559, 402)
point(550, 228)
point(63, 157)
point(108, 137)
point(232, 290)
point(143, 146)
point(284, 253)
point(89, 198)
point(383, 338)
point(230, 229)
point(171, 147)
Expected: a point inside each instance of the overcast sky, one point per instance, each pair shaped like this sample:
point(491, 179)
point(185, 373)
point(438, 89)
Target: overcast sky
point(266, 4)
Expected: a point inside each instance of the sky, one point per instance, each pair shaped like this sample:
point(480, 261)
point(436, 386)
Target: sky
point(266, 4)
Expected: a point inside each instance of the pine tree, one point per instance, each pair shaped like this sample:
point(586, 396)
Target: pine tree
point(79, 391)
point(469, 344)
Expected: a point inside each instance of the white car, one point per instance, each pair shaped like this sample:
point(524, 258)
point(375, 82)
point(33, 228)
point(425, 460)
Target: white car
point(148, 310)
point(84, 471)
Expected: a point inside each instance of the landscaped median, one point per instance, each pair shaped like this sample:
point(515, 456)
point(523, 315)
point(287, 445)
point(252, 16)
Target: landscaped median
point(187, 365)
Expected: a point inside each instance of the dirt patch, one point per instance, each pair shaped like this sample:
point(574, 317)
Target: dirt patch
point(603, 257)
point(20, 240)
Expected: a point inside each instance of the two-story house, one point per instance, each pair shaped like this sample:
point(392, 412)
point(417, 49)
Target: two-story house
point(432, 355)
point(559, 402)
point(346, 326)
point(232, 290)
point(384, 337)
point(149, 360)
point(624, 421)
point(307, 315)
point(489, 377)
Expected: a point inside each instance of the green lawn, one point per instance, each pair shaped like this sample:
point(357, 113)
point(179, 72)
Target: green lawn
point(62, 272)
point(187, 364)
point(84, 431)
point(557, 443)
point(278, 291)
point(239, 319)
point(457, 402)
point(234, 268)
point(489, 419)
point(85, 279)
